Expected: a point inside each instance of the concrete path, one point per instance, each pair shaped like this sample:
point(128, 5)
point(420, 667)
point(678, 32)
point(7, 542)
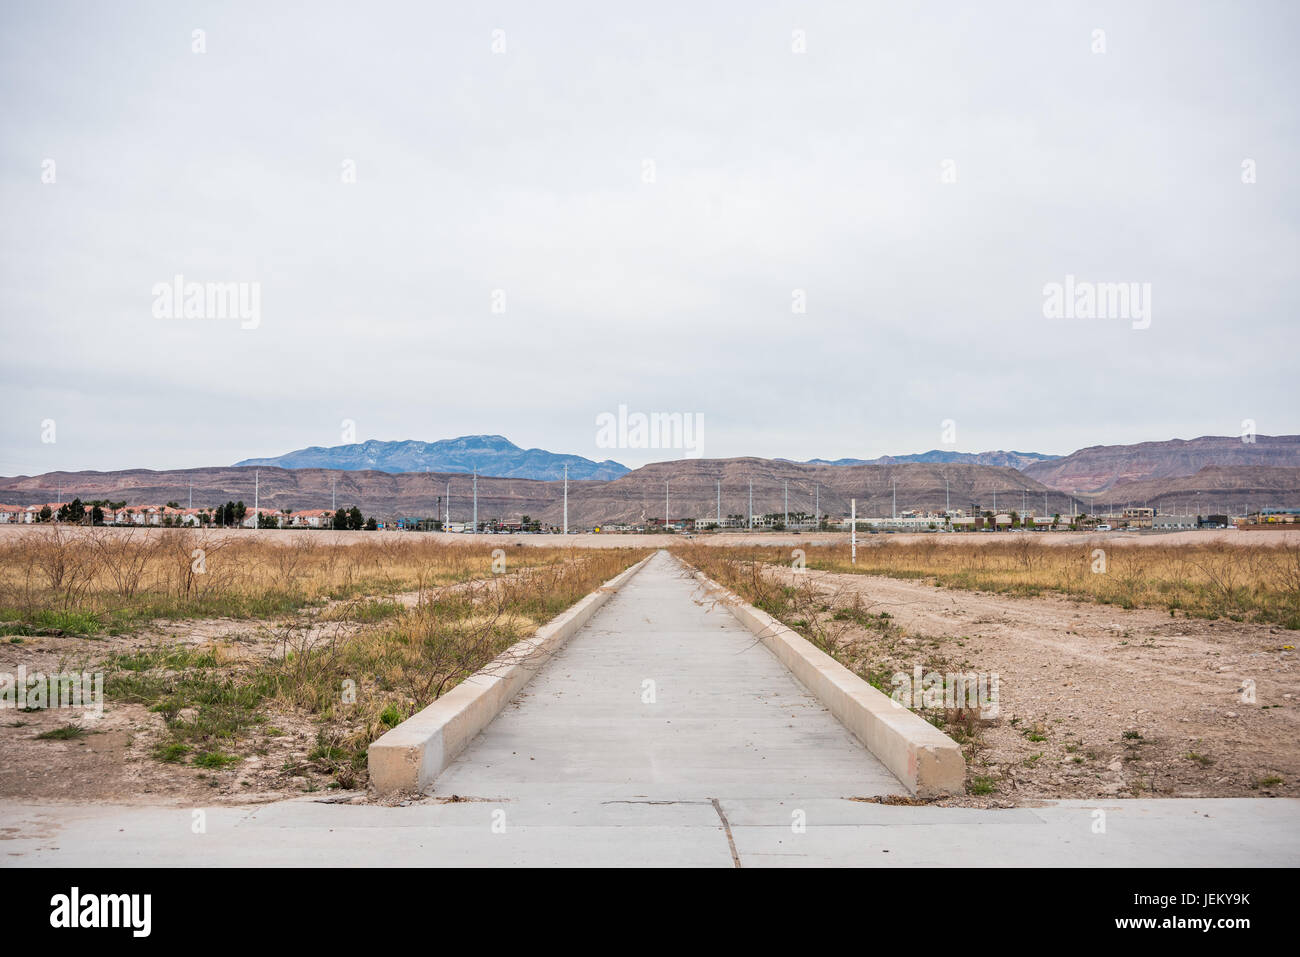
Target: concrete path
point(662, 734)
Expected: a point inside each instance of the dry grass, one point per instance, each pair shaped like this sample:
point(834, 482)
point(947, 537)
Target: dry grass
point(1259, 583)
point(93, 580)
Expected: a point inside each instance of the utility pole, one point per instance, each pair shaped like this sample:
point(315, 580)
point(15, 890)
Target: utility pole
point(894, 507)
point(817, 506)
point(853, 529)
point(947, 505)
point(191, 499)
point(256, 523)
point(475, 529)
point(447, 526)
point(333, 493)
point(566, 500)
point(787, 503)
point(719, 518)
point(750, 517)
point(665, 504)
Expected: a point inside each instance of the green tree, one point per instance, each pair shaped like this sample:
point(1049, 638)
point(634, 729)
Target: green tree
point(341, 519)
point(355, 519)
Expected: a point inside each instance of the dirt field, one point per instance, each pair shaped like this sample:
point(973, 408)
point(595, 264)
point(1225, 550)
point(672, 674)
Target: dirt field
point(1095, 700)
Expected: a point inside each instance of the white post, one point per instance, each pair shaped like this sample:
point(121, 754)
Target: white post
point(749, 519)
point(853, 528)
point(719, 519)
point(894, 507)
point(474, 530)
point(255, 521)
point(787, 503)
point(817, 506)
point(665, 505)
point(566, 500)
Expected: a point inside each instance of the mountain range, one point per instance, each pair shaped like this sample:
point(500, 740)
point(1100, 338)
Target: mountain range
point(1206, 475)
point(1015, 460)
point(492, 455)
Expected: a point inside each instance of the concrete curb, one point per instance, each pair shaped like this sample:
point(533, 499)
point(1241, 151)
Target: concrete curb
point(411, 755)
point(927, 761)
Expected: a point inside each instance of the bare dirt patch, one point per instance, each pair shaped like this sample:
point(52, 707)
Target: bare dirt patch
point(1095, 700)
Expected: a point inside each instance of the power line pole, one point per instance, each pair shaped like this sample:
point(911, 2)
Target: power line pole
point(787, 503)
point(719, 518)
point(566, 500)
point(475, 529)
point(256, 523)
point(853, 528)
point(750, 517)
point(894, 507)
point(334, 493)
point(665, 504)
point(817, 506)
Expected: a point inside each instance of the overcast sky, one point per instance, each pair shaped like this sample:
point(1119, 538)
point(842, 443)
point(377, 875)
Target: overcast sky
point(648, 188)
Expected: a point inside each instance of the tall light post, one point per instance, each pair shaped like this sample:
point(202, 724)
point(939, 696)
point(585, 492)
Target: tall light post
point(665, 505)
point(474, 530)
point(719, 518)
point(566, 499)
point(750, 517)
point(853, 529)
point(787, 503)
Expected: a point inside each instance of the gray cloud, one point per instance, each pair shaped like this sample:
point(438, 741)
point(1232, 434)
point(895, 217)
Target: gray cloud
point(523, 172)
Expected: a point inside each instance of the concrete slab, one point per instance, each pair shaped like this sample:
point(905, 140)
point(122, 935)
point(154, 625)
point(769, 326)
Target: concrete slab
point(663, 691)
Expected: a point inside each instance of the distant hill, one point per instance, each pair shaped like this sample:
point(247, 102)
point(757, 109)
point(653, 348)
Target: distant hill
point(1101, 467)
point(1014, 460)
point(492, 455)
point(1217, 488)
point(692, 486)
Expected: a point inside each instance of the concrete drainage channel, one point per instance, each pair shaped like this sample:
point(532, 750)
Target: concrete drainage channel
point(411, 755)
point(923, 758)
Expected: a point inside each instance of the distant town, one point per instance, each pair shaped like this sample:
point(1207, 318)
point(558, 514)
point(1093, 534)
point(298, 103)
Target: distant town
point(100, 512)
